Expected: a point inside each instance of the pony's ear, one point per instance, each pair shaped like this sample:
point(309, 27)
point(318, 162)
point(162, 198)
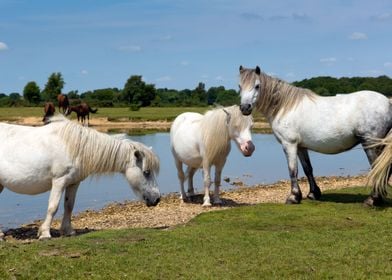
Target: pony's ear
point(241, 69)
point(228, 116)
point(258, 71)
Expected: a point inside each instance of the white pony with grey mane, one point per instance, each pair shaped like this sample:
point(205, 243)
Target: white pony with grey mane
point(58, 156)
point(302, 121)
point(201, 141)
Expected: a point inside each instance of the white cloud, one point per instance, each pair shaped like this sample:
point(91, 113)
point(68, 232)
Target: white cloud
point(164, 79)
point(383, 17)
point(167, 38)
point(358, 36)
point(328, 60)
point(388, 64)
point(184, 62)
point(290, 75)
point(130, 48)
point(3, 46)
point(219, 78)
point(84, 72)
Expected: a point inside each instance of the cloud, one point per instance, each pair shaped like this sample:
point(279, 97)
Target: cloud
point(219, 78)
point(301, 17)
point(251, 16)
point(167, 38)
point(3, 46)
point(358, 36)
point(328, 60)
point(382, 17)
point(130, 48)
point(184, 63)
point(164, 79)
point(84, 72)
point(388, 64)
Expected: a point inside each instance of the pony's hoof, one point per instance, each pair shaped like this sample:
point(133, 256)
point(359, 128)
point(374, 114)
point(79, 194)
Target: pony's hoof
point(292, 199)
point(2, 236)
point(207, 205)
point(44, 237)
point(314, 196)
point(373, 201)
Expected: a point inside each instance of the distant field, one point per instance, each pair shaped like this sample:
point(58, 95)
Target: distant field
point(113, 114)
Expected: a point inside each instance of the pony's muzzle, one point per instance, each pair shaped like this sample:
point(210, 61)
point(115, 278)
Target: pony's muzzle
point(152, 201)
point(246, 109)
point(247, 148)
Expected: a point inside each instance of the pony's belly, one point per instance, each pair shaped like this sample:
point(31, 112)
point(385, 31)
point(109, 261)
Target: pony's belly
point(330, 146)
point(30, 188)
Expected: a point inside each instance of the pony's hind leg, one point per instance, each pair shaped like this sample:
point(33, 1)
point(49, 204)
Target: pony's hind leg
point(69, 201)
point(181, 178)
point(190, 173)
point(375, 198)
point(295, 196)
point(314, 190)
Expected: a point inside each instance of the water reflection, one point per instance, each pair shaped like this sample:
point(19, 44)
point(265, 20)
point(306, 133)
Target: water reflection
point(267, 165)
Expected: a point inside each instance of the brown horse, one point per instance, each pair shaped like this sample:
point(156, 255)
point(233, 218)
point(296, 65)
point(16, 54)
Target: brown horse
point(63, 102)
point(82, 110)
point(49, 110)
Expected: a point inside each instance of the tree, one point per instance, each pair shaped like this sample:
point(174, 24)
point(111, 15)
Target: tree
point(199, 94)
point(137, 92)
point(53, 87)
point(31, 92)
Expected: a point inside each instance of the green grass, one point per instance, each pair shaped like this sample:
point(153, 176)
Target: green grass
point(113, 114)
point(336, 238)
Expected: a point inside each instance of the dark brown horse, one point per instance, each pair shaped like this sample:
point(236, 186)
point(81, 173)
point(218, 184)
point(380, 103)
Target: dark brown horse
point(63, 101)
point(82, 110)
point(49, 110)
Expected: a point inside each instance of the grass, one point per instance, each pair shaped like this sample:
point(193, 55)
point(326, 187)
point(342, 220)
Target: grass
point(335, 238)
point(113, 114)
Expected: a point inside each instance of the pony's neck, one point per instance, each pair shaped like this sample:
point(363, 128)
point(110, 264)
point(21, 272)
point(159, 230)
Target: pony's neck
point(278, 97)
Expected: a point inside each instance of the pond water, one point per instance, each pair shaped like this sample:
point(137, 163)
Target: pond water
point(267, 165)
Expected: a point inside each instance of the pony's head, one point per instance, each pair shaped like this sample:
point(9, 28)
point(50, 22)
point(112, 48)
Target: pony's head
point(141, 172)
point(239, 128)
point(250, 85)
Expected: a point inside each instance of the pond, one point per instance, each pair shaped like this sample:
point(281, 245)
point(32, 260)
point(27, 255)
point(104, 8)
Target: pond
point(267, 165)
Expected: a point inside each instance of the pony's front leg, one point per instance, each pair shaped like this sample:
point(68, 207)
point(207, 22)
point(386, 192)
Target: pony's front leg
point(54, 199)
point(181, 178)
point(314, 190)
point(69, 201)
point(295, 196)
point(190, 173)
point(217, 183)
point(207, 184)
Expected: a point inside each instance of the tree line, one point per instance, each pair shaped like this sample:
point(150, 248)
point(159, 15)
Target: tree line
point(137, 93)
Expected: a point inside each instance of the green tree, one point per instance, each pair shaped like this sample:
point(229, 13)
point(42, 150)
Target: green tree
point(53, 87)
point(137, 92)
point(199, 95)
point(31, 92)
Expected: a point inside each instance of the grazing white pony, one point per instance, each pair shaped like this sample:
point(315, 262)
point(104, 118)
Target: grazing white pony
point(57, 156)
point(302, 121)
point(200, 141)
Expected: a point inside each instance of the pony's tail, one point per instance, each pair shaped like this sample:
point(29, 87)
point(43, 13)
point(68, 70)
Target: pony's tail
point(378, 176)
point(91, 110)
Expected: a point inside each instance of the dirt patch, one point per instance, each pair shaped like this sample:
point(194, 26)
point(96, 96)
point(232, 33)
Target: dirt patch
point(171, 211)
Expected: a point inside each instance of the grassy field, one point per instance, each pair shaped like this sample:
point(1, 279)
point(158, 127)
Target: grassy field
point(113, 114)
point(336, 238)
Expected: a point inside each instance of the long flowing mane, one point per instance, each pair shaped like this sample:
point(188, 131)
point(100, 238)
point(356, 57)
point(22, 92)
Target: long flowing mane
point(215, 131)
point(275, 96)
point(96, 152)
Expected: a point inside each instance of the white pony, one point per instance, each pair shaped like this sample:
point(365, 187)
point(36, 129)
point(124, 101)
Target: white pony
point(200, 141)
point(57, 156)
point(302, 120)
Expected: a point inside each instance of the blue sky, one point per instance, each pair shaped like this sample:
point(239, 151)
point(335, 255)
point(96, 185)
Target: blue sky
point(176, 44)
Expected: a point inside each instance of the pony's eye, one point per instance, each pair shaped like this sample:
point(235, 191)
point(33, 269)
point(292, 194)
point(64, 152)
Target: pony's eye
point(146, 173)
point(257, 87)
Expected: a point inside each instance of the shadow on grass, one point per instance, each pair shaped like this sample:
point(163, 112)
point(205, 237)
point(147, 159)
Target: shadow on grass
point(351, 198)
point(29, 232)
point(198, 199)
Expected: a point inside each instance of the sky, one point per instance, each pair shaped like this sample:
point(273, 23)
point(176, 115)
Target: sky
point(179, 43)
